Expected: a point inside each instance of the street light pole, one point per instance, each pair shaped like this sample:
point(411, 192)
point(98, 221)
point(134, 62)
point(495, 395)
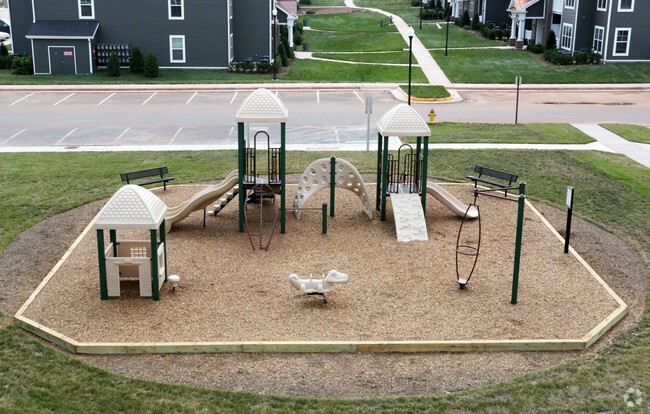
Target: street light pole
point(410, 33)
point(421, 1)
point(275, 19)
point(447, 36)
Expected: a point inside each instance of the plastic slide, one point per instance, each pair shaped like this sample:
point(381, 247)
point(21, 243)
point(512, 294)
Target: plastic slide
point(450, 201)
point(201, 200)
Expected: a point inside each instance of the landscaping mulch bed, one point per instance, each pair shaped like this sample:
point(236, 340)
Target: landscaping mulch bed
point(418, 274)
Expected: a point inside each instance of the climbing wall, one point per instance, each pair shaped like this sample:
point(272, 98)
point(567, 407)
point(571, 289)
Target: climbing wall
point(409, 217)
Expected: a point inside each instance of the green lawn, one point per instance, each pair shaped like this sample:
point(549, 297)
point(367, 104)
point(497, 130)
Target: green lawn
point(635, 133)
point(363, 21)
point(432, 37)
point(38, 378)
point(427, 91)
point(321, 3)
point(506, 133)
point(370, 57)
point(353, 41)
point(502, 66)
point(312, 70)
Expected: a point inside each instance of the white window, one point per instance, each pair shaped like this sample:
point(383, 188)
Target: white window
point(176, 10)
point(567, 34)
point(177, 49)
point(86, 9)
point(601, 5)
point(570, 4)
point(625, 5)
point(622, 41)
point(599, 33)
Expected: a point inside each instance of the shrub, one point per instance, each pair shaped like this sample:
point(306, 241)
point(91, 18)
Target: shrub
point(22, 66)
point(297, 39)
point(113, 66)
point(151, 69)
point(278, 65)
point(475, 22)
point(457, 23)
point(553, 56)
point(298, 28)
point(439, 5)
point(551, 41)
point(415, 3)
point(499, 34)
point(3, 50)
point(137, 61)
point(305, 2)
point(264, 67)
point(465, 20)
point(537, 49)
point(488, 33)
point(5, 62)
point(282, 53)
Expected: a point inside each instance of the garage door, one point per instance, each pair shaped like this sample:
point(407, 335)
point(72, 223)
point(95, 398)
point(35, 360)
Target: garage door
point(62, 60)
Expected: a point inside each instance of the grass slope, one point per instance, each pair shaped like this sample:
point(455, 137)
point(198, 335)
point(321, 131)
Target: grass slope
point(612, 191)
point(308, 70)
point(634, 133)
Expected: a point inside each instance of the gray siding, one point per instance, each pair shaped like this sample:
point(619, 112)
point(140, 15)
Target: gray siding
point(640, 36)
point(20, 14)
point(584, 30)
point(568, 17)
point(252, 28)
point(495, 12)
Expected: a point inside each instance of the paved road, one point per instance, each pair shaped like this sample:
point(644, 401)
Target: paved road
point(322, 119)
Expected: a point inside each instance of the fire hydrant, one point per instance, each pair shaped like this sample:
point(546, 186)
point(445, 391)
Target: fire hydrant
point(432, 116)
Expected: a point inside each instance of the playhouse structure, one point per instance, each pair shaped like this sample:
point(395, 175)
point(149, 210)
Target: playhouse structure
point(132, 207)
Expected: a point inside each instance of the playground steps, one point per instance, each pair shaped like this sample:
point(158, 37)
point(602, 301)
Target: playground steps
point(224, 201)
point(409, 217)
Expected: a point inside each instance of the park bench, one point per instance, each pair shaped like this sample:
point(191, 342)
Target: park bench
point(493, 174)
point(151, 172)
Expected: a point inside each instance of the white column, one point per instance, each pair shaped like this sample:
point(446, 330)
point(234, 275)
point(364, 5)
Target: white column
point(513, 28)
point(457, 9)
point(290, 22)
point(522, 27)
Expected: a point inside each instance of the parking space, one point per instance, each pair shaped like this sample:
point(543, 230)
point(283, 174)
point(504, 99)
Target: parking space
point(35, 136)
point(127, 99)
point(106, 135)
point(147, 136)
point(8, 98)
point(218, 98)
point(84, 98)
point(194, 135)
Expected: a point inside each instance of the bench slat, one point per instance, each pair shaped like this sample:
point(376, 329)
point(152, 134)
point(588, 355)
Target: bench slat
point(503, 175)
point(151, 172)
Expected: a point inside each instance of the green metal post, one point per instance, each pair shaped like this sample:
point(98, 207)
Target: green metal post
point(101, 258)
point(324, 218)
point(520, 229)
point(418, 148)
point(163, 239)
point(155, 289)
point(425, 168)
point(283, 157)
point(241, 149)
point(113, 236)
point(332, 183)
point(384, 179)
point(377, 206)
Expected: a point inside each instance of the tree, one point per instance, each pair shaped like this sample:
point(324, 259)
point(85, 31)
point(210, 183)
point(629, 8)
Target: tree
point(475, 22)
point(113, 66)
point(551, 41)
point(151, 69)
point(282, 53)
point(3, 50)
point(465, 20)
point(137, 61)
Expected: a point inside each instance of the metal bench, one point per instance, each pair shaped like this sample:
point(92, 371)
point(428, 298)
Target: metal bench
point(151, 172)
point(495, 174)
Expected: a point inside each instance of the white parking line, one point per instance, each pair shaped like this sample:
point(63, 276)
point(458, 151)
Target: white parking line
point(438, 25)
point(64, 98)
point(65, 136)
point(192, 97)
point(317, 97)
point(355, 92)
point(24, 97)
point(149, 98)
point(121, 135)
point(233, 97)
point(14, 136)
point(336, 134)
point(230, 132)
point(107, 98)
point(175, 135)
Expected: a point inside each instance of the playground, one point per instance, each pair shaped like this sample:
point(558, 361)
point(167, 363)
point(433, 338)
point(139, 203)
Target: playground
point(400, 275)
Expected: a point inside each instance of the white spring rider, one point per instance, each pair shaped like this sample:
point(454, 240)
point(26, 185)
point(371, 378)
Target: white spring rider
point(322, 286)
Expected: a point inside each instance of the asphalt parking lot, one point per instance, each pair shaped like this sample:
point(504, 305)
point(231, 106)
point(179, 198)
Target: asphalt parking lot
point(317, 118)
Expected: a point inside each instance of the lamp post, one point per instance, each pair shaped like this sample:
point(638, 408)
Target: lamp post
point(421, 1)
point(275, 19)
point(447, 35)
point(410, 33)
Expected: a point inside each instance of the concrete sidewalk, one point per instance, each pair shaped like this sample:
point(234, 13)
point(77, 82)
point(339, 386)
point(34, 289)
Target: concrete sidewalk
point(634, 150)
point(431, 70)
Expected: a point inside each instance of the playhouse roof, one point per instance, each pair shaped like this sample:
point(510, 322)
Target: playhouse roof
point(132, 207)
point(402, 121)
point(262, 106)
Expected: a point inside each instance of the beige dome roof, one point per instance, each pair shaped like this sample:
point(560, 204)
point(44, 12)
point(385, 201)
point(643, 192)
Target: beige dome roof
point(403, 121)
point(132, 207)
point(262, 106)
